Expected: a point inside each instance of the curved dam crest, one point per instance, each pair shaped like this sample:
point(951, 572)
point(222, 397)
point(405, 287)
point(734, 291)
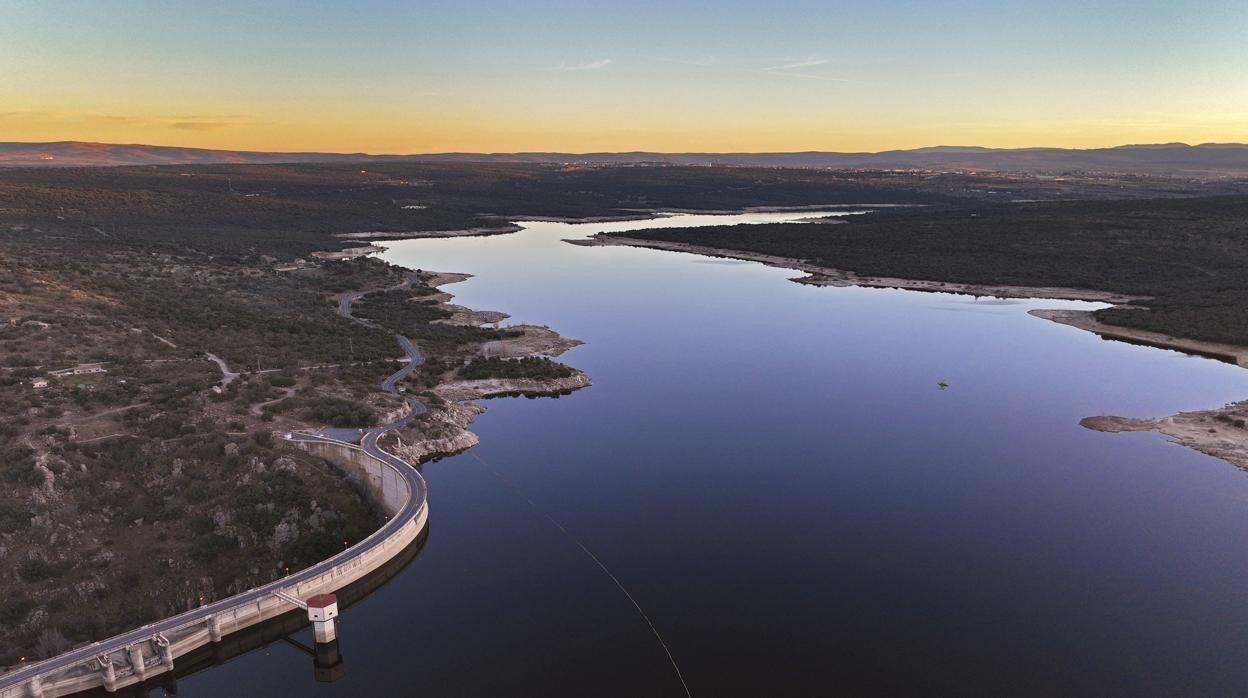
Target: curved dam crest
point(138, 655)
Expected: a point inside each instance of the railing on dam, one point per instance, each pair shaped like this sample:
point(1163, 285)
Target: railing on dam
point(139, 654)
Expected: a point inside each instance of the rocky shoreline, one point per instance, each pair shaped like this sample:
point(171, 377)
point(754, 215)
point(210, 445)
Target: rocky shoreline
point(451, 406)
point(1220, 433)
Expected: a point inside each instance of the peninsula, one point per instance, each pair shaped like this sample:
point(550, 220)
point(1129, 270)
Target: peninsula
point(1172, 271)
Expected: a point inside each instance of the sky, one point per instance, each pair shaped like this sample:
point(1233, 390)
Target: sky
point(587, 75)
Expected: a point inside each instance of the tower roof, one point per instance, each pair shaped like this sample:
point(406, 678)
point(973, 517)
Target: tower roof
point(322, 600)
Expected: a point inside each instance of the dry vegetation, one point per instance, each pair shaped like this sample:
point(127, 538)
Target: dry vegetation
point(140, 490)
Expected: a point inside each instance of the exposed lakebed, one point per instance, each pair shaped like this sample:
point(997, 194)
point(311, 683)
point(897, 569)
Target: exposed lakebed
point(775, 474)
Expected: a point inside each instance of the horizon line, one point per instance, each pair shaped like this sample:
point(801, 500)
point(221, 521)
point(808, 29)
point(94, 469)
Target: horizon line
point(1174, 144)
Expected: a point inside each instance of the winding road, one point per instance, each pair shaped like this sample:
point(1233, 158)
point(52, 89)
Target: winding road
point(414, 358)
point(227, 376)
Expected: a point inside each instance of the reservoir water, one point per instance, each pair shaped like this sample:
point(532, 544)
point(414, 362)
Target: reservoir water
point(773, 472)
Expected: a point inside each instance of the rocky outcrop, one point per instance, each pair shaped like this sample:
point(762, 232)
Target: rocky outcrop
point(499, 387)
point(443, 428)
point(1221, 433)
point(461, 315)
point(440, 431)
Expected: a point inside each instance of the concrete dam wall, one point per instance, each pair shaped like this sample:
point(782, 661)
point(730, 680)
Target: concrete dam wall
point(394, 487)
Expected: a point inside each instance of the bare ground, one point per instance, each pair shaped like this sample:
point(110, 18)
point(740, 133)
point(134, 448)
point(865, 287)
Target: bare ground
point(1219, 433)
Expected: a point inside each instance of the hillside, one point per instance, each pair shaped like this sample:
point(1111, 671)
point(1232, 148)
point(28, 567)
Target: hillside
point(1168, 159)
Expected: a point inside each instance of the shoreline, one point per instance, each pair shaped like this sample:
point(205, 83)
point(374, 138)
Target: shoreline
point(417, 234)
point(1217, 432)
point(1226, 444)
point(452, 405)
point(827, 276)
point(1085, 320)
point(449, 407)
point(641, 215)
point(348, 253)
point(837, 208)
point(515, 223)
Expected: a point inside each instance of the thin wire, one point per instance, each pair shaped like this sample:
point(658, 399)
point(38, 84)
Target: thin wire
point(597, 561)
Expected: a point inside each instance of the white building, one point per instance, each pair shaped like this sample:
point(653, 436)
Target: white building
point(79, 370)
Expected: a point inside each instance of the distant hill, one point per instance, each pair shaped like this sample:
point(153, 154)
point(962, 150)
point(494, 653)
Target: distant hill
point(1179, 159)
point(80, 154)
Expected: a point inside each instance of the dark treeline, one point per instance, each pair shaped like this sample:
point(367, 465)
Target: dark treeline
point(412, 313)
point(536, 367)
point(238, 211)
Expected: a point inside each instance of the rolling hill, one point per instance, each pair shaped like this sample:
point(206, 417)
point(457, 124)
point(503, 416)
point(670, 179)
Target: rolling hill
point(1176, 159)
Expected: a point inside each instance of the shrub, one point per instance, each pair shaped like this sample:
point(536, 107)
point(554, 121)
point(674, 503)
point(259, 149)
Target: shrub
point(529, 367)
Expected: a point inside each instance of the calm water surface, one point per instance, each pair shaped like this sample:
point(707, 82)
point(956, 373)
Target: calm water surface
point(773, 473)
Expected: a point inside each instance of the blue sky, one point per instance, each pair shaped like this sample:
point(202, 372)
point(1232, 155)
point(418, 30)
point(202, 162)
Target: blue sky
point(640, 75)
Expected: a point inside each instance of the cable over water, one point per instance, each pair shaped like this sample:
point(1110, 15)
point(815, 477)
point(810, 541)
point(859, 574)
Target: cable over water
point(597, 561)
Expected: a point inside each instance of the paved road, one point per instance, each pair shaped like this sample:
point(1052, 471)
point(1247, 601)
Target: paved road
point(413, 360)
point(227, 376)
point(390, 384)
point(258, 408)
point(344, 305)
point(345, 300)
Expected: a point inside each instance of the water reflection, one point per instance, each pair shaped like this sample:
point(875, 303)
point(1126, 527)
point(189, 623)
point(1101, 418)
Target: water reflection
point(326, 659)
point(774, 473)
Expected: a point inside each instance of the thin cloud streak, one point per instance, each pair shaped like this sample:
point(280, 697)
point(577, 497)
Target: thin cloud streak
point(809, 63)
point(200, 125)
point(795, 69)
point(593, 65)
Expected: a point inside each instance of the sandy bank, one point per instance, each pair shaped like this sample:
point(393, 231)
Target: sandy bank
point(639, 216)
point(1220, 433)
point(349, 252)
point(828, 276)
point(1085, 320)
point(836, 208)
point(412, 234)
